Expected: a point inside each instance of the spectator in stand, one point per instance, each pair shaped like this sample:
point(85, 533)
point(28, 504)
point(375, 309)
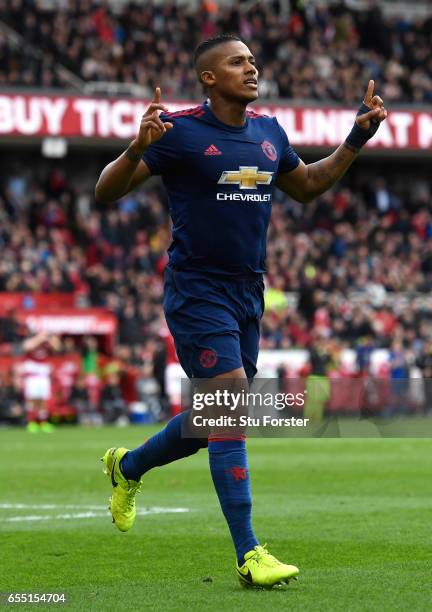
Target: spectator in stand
point(11, 330)
point(424, 362)
point(12, 403)
point(131, 329)
point(36, 377)
point(91, 368)
point(113, 406)
point(79, 400)
point(399, 381)
point(149, 392)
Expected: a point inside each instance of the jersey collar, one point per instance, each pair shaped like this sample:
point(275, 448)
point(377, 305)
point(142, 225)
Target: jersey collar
point(209, 114)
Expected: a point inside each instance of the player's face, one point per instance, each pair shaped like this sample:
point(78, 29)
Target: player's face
point(235, 73)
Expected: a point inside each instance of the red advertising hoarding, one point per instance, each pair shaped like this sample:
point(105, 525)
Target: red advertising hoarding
point(72, 321)
point(30, 301)
point(87, 117)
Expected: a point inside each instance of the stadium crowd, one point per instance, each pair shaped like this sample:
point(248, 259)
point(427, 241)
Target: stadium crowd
point(314, 52)
point(353, 267)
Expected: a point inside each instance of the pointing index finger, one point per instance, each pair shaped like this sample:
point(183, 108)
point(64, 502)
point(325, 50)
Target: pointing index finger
point(369, 92)
point(155, 104)
point(157, 95)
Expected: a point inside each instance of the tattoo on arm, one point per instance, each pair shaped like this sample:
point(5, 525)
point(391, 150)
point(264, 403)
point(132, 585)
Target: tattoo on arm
point(132, 155)
point(351, 148)
point(324, 173)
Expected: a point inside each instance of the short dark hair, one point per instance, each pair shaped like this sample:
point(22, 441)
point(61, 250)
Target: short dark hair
point(213, 42)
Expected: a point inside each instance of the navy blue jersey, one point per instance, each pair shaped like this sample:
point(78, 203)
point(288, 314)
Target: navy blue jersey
point(219, 181)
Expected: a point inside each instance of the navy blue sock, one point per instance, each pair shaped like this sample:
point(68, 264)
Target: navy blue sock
point(162, 448)
point(229, 470)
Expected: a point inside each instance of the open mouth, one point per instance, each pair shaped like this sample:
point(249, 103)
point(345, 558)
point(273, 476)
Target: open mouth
point(251, 83)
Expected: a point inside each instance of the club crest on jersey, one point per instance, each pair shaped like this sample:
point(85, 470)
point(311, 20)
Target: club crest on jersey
point(247, 177)
point(269, 150)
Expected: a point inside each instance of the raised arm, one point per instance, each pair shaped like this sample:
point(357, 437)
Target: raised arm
point(128, 170)
point(308, 181)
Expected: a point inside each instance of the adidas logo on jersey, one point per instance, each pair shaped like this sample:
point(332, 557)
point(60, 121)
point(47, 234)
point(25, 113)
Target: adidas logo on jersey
point(212, 150)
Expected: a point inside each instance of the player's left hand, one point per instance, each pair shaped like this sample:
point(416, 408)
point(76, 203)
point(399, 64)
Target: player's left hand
point(378, 112)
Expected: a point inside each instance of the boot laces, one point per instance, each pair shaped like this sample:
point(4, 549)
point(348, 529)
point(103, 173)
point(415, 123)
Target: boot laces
point(262, 555)
point(130, 495)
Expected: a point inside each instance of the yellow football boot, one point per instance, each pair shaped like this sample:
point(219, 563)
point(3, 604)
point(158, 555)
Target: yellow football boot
point(122, 500)
point(262, 570)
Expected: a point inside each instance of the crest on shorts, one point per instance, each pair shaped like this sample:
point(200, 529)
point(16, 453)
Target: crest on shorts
point(269, 150)
point(208, 358)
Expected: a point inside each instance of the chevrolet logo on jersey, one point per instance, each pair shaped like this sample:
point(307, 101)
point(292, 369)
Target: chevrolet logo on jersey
point(247, 177)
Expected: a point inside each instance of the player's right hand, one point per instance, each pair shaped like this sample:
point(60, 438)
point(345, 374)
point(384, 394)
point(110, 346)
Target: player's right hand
point(152, 128)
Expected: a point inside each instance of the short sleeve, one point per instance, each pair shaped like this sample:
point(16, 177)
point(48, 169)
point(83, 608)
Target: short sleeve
point(161, 156)
point(289, 160)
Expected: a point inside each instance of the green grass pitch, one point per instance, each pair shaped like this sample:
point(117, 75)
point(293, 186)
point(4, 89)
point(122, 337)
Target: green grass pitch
point(353, 514)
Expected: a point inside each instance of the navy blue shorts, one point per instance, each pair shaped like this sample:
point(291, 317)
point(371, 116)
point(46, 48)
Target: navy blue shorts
point(214, 322)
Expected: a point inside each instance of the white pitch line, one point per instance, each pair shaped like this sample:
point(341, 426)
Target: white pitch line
point(101, 512)
point(48, 506)
point(46, 517)
point(79, 506)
